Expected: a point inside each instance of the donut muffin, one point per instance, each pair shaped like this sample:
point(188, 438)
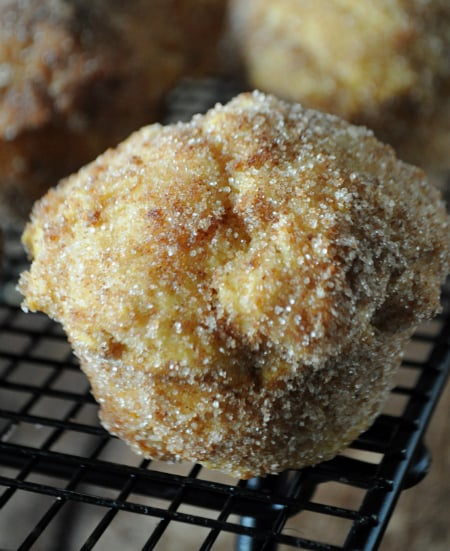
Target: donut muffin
point(385, 64)
point(239, 288)
point(79, 76)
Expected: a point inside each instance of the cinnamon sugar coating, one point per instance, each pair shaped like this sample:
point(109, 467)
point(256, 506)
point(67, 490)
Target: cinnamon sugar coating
point(239, 288)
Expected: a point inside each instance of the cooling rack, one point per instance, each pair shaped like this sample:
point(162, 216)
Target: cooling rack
point(74, 487)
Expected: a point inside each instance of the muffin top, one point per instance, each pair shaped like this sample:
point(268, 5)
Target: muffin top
point(259, 229)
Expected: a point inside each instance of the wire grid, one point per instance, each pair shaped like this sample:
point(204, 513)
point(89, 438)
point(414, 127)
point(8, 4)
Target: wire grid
point(80, 484)
point(76, 488)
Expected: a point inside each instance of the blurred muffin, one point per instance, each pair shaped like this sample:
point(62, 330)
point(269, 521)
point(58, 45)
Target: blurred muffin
point(383, 63)
point(78, 76)
point(239, 288)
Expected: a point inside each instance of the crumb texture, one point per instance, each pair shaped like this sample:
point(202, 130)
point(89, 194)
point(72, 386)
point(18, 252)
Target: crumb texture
point(239, 288)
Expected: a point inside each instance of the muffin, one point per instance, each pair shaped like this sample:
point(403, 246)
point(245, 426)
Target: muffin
point(239, 288)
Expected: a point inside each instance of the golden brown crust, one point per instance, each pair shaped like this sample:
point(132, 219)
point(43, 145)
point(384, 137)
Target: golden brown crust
point(78, 76)
point(384, 64)
point(239, 288)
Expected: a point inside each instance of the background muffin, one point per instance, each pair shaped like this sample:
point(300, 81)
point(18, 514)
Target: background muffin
point(78, 76)
point(384, 64)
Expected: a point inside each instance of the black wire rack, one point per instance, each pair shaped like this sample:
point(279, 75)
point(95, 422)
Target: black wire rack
point(74, 487)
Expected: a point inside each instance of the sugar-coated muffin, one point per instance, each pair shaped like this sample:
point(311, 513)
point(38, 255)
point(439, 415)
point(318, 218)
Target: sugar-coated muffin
point(383, 63)
point(239, 288)
point(78, 76)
